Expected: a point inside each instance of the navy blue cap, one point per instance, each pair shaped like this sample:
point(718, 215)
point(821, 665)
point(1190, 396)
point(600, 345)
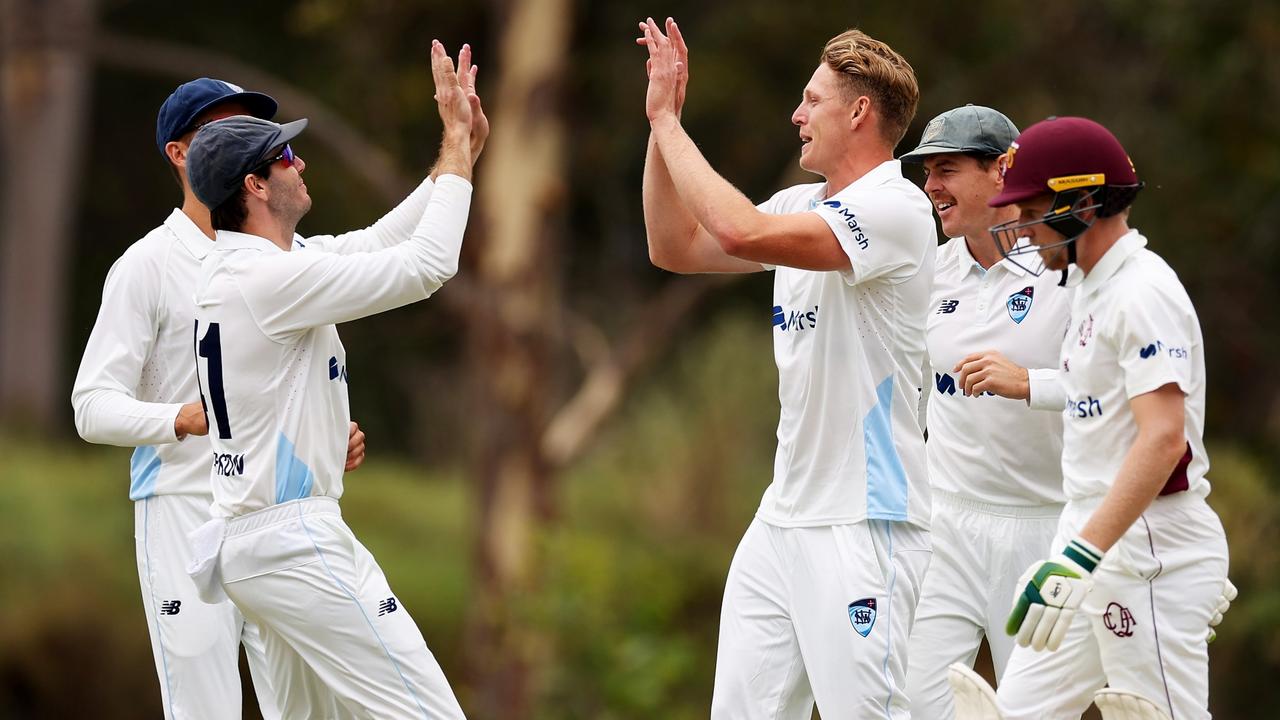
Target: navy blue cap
point(191, 99)
point(226, 150)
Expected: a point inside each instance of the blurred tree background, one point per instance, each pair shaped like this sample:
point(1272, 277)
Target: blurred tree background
point(566, 444)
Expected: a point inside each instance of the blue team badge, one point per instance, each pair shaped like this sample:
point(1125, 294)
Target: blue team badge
point(1019, 304)
point(862, 613)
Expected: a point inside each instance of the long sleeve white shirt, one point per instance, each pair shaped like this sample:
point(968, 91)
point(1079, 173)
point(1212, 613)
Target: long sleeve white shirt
point(138, 368)
point(271, 368)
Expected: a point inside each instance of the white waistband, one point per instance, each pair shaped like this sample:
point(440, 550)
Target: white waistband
point(1032, 512)
point(284, 512)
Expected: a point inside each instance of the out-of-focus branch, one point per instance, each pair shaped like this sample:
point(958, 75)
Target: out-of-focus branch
point(608, 378)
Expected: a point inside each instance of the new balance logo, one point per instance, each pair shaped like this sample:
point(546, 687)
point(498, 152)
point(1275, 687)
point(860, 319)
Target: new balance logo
point(336, 371)
point(170, 607)
point(948, 306)
point(387, 606)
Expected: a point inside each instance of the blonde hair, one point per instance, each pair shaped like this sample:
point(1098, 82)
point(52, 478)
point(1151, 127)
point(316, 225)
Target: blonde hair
point(869, 67)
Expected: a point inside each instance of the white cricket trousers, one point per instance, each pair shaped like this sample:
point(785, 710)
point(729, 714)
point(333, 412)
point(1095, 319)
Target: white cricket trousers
point(1144, 625)
point(196, 646)
point(980, 550)
point(331, 625)
point(818, 614)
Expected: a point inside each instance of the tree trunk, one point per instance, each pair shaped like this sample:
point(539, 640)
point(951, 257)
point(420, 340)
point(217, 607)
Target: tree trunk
point(520, 203)
point(44, 89)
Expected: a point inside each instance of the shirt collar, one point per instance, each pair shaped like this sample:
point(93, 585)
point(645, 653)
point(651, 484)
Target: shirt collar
point(1112, 260)
point(189, 234)
point(230, 240)
point(964, 263)
point(878, 175)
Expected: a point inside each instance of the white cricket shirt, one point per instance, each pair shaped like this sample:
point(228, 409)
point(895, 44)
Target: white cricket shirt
point(272, 371)
point(138, 368)
point(850, 348)
point(988, 448)
point(1133, 330)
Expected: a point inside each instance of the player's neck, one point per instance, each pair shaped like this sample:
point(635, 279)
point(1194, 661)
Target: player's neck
point(199, 214)
point(983, 248)
point(273, 228)
point(1097, 240)
point(857, 162)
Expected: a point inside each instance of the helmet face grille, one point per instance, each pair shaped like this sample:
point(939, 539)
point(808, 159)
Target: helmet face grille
point(1066, 218)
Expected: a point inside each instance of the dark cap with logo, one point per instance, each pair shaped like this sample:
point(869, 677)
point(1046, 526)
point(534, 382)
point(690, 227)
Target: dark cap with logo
point(1063, 153)
point(191, 99)
point(226, 150)
point(970, 129)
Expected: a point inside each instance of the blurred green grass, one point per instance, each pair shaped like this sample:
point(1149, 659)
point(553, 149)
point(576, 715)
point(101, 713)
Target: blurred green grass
point(633, 566)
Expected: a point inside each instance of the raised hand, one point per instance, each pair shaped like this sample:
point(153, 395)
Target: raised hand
point(451, 99)
point(682, 59)
point(668, 72)
point(479, 123)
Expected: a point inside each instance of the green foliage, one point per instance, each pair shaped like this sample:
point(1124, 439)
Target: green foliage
point(635, 564)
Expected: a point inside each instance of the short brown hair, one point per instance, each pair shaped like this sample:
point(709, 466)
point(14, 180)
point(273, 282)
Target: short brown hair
point(869, 67)
point(233, 211)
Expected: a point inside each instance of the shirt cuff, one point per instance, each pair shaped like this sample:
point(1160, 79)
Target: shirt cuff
point(1046, 389)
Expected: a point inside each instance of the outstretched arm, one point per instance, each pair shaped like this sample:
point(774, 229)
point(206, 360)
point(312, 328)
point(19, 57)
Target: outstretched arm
point(677, 241)
point(800, 240)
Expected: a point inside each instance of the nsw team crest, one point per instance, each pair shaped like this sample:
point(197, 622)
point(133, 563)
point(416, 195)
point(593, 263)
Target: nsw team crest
point(1019, 304)
point(862, 613)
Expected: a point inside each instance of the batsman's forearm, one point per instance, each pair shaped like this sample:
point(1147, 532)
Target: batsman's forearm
point(1145, 471)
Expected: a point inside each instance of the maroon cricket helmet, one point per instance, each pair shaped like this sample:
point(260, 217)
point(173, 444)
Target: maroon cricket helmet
point(1063, 153)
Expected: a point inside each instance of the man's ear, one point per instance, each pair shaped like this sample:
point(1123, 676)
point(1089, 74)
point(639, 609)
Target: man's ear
point(256, 186)
point(176, 152)
point(859, 111)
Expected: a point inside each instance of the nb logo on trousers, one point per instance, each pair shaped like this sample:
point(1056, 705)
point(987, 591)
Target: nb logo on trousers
point(170, 607)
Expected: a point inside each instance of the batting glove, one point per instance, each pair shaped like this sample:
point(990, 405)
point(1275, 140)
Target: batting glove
point(1049, 593)
point(1229, 593)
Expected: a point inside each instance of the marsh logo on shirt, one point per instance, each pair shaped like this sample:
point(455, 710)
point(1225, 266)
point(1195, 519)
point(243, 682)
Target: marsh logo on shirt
point(1019, 304)
point(862, 613)
point(337, 372)
point(1177, 353)
point(850, 220)
point(1086, 407)
point(795, 320)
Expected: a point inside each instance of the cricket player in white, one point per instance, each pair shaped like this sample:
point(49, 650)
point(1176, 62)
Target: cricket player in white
point(1143, 557)
point(137, 387)
point(994, 463)
point(273, 377)
point(823, 587)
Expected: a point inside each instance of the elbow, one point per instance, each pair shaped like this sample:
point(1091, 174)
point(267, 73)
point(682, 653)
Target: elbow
point(735, 238)
point(84, 428)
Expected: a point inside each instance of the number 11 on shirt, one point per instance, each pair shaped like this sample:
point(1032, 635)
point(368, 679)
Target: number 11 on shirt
point(210, 348)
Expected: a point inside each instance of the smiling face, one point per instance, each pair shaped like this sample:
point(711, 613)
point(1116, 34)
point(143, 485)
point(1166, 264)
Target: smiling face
point(823, 117)
point(959, 187)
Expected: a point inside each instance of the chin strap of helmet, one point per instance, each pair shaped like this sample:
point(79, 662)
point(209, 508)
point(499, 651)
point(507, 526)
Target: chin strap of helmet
point(1063, 219)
